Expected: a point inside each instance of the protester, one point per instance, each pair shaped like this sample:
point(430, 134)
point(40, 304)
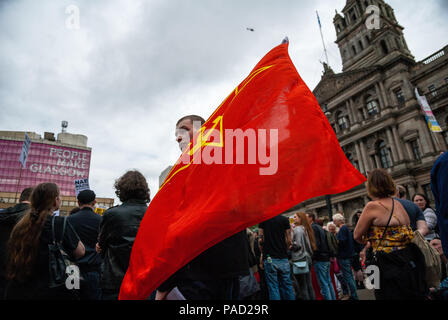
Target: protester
point(430, 216)
point(275, 241)
point(321, 260)
point(213, 274)
point(74, 210)
point(303, 239)
point(249, 285)
point(118, 228)
point(86, 224)
point(439, 186)
point(415, 214)
point(346, 252)
point(8, 219)
point(401, 192)
point(401, 264)
point(28, 253)
point(357, 259)
point(263, 294)
point(332, 228)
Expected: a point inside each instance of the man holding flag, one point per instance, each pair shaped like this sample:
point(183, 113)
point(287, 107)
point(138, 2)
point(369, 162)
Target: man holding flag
point(214, 274)
point(201, 204)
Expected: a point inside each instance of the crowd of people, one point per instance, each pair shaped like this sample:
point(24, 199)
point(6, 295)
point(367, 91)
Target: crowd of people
point(275, 260)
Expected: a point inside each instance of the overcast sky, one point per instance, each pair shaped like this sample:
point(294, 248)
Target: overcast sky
point(135, 67)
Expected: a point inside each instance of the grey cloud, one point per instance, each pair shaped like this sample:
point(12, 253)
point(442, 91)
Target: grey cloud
point(135, 67)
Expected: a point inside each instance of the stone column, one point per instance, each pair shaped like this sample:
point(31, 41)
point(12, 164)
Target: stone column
point(353, 110)
point(412, 190)
point(384, 93)
point(393, 147)
point(350, 113)
point(340, 207)
point(397, 143)
point(365, 158)
point(409, 150)
point(380, 96)
point(360, 158)
point(439, 141)
point(425, 138)
point(377, 161)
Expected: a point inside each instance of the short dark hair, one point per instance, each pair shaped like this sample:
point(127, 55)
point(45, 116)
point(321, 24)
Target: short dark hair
point(132, 185)
point(25, 195)
point(192, 118)
point(401, 191)
point(380, 184)
point(312, 216)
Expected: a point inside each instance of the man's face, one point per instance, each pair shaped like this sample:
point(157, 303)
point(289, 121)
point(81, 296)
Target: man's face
point(310, 220)
point(184, 133)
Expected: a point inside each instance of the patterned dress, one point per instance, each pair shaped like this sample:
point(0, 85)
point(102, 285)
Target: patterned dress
point(396, 238)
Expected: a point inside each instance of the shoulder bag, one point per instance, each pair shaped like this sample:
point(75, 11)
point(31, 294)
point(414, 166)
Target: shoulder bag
point(58, 260)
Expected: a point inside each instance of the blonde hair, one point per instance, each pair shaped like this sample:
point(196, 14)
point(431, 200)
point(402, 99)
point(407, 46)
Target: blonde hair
point(338, 216)
point(331, 223)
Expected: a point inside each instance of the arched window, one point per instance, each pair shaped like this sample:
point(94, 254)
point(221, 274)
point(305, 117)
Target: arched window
point(354, 50)
point(384, 47)
point(372, 106)
point(360, 45)
point(342, 121)
point(384, 154)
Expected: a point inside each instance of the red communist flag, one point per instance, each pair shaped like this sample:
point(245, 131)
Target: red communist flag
point(265, 149)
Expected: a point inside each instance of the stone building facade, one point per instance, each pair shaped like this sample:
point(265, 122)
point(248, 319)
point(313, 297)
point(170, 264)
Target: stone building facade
point(372, 107)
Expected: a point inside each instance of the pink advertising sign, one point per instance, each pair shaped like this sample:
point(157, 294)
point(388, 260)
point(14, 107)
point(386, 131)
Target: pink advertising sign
point(45, 163)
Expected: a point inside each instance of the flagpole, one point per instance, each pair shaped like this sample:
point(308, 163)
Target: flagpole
point(22, 160)
point(18, 183)
point(322, 37)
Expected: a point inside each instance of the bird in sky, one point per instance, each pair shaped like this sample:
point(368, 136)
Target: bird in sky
point(250, 29)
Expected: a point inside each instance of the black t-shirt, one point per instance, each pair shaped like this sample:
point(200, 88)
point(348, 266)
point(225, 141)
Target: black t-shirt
point(274, 243)
point(86, 224)
point(36, 287)
point(414, 212)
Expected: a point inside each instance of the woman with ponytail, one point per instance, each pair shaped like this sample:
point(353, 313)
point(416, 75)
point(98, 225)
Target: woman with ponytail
point(27, 268)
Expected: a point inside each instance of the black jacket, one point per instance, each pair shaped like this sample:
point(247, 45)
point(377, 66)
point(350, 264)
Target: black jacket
point(322, 253)
point(225, 260)
point(8, 219)
point(118, 230)
point(86, 224)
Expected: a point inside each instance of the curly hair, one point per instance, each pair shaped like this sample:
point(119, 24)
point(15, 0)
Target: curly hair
point(132, 185)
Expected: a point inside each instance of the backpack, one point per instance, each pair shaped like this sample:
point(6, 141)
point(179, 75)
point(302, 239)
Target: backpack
point(432, 260)
point(332, 244)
